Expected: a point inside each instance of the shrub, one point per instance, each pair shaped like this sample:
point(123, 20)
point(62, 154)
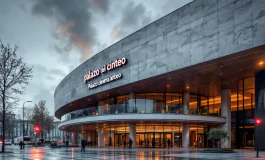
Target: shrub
point(218, 136)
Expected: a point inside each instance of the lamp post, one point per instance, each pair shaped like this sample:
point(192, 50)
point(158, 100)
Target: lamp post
point(23, 124)
point(258, 121)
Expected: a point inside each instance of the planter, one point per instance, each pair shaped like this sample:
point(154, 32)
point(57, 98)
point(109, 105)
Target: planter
point(218, 150)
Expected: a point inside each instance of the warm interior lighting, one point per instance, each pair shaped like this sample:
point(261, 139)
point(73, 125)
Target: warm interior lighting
point(173, 101)
point(217, 100)
point(247, 127)
point(187, 87)
point(261, 63)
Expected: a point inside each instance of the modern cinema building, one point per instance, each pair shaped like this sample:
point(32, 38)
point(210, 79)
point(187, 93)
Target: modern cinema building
point(198, 67)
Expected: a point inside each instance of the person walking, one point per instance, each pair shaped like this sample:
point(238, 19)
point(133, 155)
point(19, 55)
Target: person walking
point(169, 143)
point(20, 144)
point(153, 142)
point(130, 143)
point(83, 145)
point(124, 142)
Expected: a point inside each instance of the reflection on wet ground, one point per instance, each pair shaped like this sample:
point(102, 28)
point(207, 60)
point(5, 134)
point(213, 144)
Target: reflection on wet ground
point(47, 153)
point(31, 153)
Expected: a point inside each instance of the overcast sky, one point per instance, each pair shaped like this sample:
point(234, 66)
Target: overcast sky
point(55, 36)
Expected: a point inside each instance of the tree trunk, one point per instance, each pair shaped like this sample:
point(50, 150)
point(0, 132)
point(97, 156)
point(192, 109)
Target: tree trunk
point(3, 125)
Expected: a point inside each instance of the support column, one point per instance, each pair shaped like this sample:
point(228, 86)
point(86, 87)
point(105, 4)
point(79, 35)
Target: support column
point(186, 100)
point(131, 107)
point(226, 113)
point(133, 134)
point(185, 136)
point(260, 109)
point(101, 142)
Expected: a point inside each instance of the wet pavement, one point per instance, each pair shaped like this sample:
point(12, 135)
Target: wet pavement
point(46, 153)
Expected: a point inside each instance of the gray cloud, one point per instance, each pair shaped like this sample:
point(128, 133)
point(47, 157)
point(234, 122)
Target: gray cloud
point(46, 95)
point(50, 78)
point(57, 72)
point(72, 23)
point(133, 17)
point(100, 5)
point(38, 68)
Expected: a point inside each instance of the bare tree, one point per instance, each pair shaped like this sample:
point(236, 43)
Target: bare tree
point(41, 117)
point(14, 77)
point(10, 125)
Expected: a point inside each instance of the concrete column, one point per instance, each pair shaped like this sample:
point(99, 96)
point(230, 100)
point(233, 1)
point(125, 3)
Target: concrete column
point(185, 136)
point(131, 107)
point(186, 100)
point(133, 134)
point(101, 142)
point(226, 113)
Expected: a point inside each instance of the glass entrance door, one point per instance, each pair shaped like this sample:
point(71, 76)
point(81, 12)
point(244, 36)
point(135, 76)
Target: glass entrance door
point(157, 139)
point(178, 139)
point(154, 139)
point(119, 138)
point(140, 140)
point(167, 138)
point(149, 137)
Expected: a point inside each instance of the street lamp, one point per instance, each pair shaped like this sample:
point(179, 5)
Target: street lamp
point(258, 121)
point(23, 123)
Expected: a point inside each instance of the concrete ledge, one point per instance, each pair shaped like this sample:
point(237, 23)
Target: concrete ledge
point(145, 117)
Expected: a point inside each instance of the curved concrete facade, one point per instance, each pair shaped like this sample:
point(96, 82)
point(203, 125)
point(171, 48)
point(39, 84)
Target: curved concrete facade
point(172, 80)
point(200, 31)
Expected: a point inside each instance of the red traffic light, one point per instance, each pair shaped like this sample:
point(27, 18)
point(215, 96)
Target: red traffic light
point(36, 128)
point(258, 121)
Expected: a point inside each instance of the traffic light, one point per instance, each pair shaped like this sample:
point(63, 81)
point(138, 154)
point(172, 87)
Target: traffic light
point(258, 121)
point(36, 129)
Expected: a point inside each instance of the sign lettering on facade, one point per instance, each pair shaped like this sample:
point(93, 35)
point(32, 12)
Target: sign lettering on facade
point(107, 67)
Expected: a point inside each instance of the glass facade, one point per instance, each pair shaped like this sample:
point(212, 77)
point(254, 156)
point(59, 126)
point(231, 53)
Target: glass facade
point(150, 135)
point(157, 135)
point(242, 114)
point(144, 103)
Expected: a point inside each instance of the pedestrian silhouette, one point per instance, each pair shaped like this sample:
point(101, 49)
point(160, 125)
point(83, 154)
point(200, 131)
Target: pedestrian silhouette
point(130, 143)
point(83, 145)
point(124, 143)
point(20, 144)
point(168, 143)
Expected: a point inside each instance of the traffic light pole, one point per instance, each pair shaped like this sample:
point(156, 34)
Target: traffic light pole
point(257, 141)
point(36, 141)
point(258, 121)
